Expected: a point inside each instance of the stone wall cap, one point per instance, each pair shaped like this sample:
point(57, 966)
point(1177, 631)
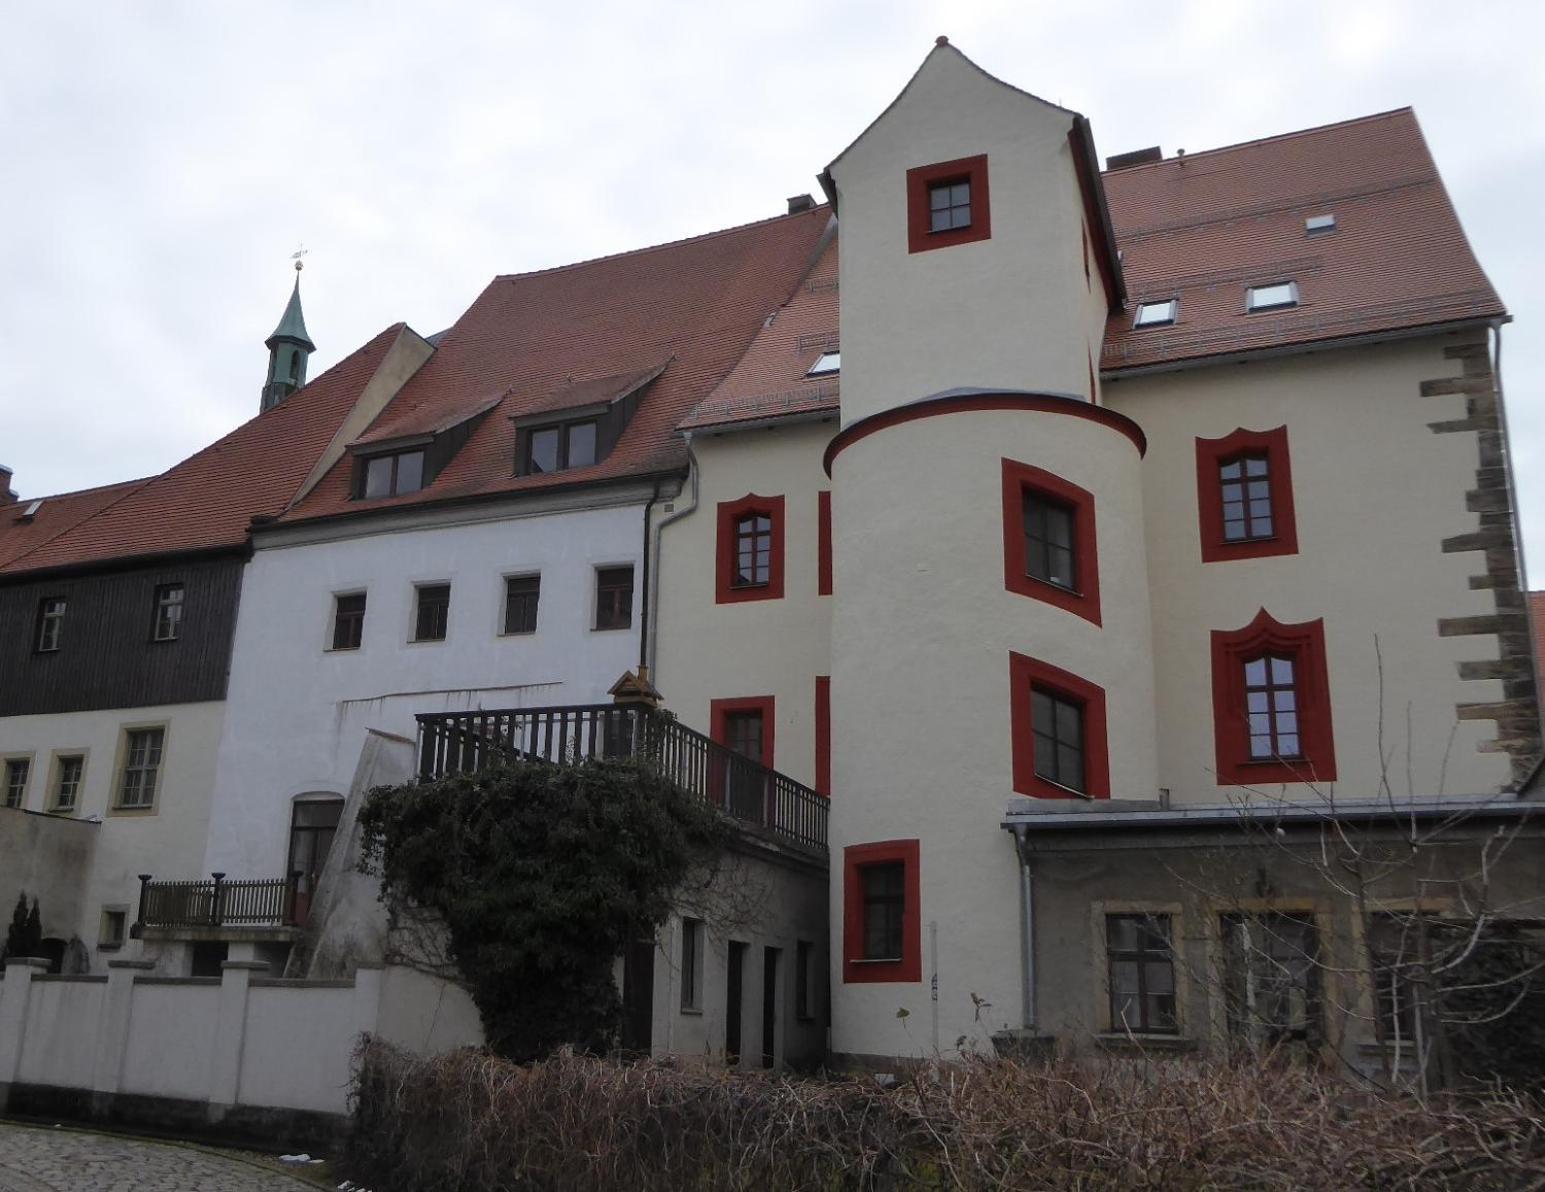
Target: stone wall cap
point(37, 962)
point(131, 964)
point(251, 966)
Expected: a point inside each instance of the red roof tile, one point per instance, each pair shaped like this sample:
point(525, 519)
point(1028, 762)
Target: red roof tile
point(207, 501)
point(1203, 227)
point(695, 302)
point(1537, 617)
point(55, 515)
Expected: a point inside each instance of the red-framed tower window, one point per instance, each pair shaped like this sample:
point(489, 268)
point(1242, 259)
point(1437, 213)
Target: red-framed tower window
point(947, 204)
point(749, 563)
point(1060, 745)
point(882, 939)
point(823, 735)
point(745, 725)
point(824, 543)
point(1050, 547)
point(1271, 703)
point(1244, 496)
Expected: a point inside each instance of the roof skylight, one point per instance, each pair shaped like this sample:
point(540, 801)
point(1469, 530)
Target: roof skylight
point(1315, 224)
point(1273, 297)
point(1156, 314)
point(826, 364)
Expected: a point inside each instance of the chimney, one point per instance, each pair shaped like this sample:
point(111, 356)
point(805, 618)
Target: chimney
point(1138, 157)
point(6, 493)
point(800, 203)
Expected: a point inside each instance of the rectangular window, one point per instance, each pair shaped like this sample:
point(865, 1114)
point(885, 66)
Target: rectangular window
point(1245, 486)
point(1244, 492)
point(141, 768)
point(348, 621)
point(884, 894)
point(692, 964)
point(1156, 314)
point(50, 628)
point(543, 449)
point(1058, 725)
point(1141, 966)
point(581, 445)
point(1049, 540)
point(1272, 977)
point(68, 770)
point(1271, 703)
point(749, 558)
point(804, 980)
point(949, 205)
point(113, 929)
point(432, 613)
point(166, 623)
point(1272, 297)
point(614, 597)
point(522, 594)
point(743, 733)
point(825, 365)
point(556, 448)
point(753, 551)
point(17, 771)
point(1315, 225)
point(393, 475)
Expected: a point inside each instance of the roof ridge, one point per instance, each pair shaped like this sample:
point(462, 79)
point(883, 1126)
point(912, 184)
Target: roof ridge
point(1266, 140)
point(81, 492)
point(755, 223)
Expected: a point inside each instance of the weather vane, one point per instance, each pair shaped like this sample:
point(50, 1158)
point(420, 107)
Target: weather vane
point(297, 255)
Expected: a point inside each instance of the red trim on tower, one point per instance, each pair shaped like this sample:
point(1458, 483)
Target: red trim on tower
point(855, 969)
point(824, 543)
point(1026, 673)
point(962, 403)
point(1019, 479)
point(1212, 454)
point(823, 735)
point(724, 566)
point(920, 178)
point(1304, 643)
point(765, 704)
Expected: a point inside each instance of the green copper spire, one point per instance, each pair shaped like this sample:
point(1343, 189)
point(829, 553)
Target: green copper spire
point(288, 349)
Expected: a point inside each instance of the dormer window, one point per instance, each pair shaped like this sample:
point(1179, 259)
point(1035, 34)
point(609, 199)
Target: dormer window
point(825, 365)
point(1156, 314)
point(1276, 296)
point(557, 448)
point(392, 475)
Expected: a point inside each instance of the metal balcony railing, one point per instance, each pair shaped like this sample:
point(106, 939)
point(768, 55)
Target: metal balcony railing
point(461, 742)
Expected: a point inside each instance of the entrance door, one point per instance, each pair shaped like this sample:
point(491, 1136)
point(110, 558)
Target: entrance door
point(770, 1006)
point(638, 997)
point(734, 986)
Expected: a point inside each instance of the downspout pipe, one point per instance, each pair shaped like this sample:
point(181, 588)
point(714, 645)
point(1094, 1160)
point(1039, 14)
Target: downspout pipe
point(644, 613)
point(1027, 912)
point(648, 649)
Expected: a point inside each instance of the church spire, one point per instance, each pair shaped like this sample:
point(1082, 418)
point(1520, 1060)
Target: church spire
point(288, 349)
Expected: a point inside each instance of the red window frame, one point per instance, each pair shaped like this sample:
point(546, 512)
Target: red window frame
point(731, 512)
point(719, 711)
point(1304, 643)
point(1026, 673)
point(823, 735)
point(823, 585)
point(920, 178)
point(1211, 455)
point(1020, 478)
point(855, 969)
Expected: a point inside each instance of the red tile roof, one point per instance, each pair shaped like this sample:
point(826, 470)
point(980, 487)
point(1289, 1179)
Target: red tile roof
point(770, 380)
point(696, 302)
point(1537, 617)
point(207, 501)
point(1203, 227)
point(55, 515)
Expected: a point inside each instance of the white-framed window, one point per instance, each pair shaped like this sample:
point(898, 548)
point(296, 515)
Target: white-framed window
point(17, 771)
point(69, 773)
point(1273, 297)
point(1156, 314)
point(166, 619)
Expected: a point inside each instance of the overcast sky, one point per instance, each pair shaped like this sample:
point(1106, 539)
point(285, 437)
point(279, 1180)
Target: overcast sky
point(162, 160)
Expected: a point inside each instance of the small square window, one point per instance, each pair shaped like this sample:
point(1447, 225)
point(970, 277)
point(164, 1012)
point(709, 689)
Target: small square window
point(949, 205)
point(114, 929)
point(432, 612)
point(17, 771)
point(141, 768)
point(1272, 297)
point(1156, 314)
point(166, 625)
point(825, 364)
point(50, 629)
point(614, 597)
point(348, 621)
point(522, 595)
point(69, 768)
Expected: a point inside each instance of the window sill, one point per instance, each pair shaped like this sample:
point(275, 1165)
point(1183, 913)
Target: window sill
point(425, 641)
point(1139, 1041)
point(1071, 790)
point(342, 650)
point(610, 628)
point(692, 1011)
point(103, 947)
point(877, 960)
point(132, 812)
point(517, 633)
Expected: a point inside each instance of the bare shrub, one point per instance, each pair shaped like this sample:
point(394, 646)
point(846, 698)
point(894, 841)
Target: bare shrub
point(473, 1122)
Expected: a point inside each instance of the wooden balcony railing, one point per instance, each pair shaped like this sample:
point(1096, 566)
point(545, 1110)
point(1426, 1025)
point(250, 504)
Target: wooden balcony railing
point(216, 903)
point(460, 742)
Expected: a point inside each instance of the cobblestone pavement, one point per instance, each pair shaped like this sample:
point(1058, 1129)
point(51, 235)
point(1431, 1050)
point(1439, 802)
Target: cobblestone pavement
point(40, 1160)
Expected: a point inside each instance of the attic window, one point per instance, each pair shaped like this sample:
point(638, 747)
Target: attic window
point(392, 475)
point(826, 364)
point(1272, 297)
point(556, 448)
point(1317, 224)
point(1156, 314)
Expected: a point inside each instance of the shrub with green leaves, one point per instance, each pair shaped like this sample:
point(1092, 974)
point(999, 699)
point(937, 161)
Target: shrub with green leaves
point(541, 876)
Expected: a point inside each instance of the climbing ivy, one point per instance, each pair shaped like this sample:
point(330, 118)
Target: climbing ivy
point(541, 876)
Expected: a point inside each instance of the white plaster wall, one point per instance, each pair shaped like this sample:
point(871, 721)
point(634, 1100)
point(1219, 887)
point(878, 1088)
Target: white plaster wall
point(709, 651)
point(60, 1036)
point(424, 1014)
point(172, 1026)
point(1375, 492)
point(922, 741)
point(1002, 312)
point(168, 842)
point(299, 711)
point(297, 1047)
